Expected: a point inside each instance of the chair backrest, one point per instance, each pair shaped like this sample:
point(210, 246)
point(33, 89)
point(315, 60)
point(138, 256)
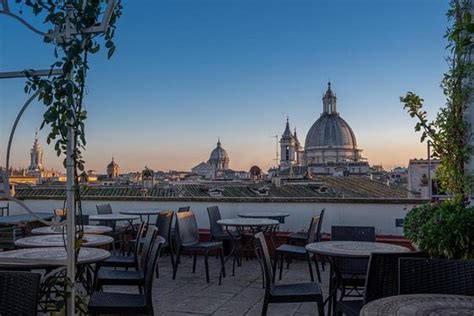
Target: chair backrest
point(214, 216)
point(187, 230)
point(5, 209)
point(441, 276)
point(320, 225)
point(103, 209)
point(353, 233)
point(312, 230)
point(382, 274)
point(263, 253)
point(147, 244)
point(184, 209)
point(163, 222)
point(82, 219)
point(142, 228)
point(150, 269)
point(19, 293)
point(8, 236)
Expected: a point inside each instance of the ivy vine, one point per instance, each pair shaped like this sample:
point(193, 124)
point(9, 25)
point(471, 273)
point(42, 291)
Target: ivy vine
point(449, 132)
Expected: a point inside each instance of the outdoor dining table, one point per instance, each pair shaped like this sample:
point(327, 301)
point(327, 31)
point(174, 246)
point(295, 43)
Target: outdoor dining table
point(114, 218)
point(50, 258)
point(24, 218)
point(279, 216)
point(88, 229)
point(242, 226)
point(142, 212)
point(420, 304)
point(347, 249)
point(58, 240)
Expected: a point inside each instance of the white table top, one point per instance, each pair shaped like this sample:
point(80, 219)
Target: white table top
point(49, 256)
point(141, 212)
point(357, 249)
point(113, 217)
point(420, 304)
point(58, 240)
point(248, 222)
point(88, 229)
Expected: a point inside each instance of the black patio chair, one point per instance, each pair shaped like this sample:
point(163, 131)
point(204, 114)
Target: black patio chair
point(301, 237)
point(82, 219)
point(184, 209)
point(436, 276)
point(8, 236)
point(163, 222)
point(216, 231)
point(122, 261)
point(285, 293)
point(352, 271)
point(288, 251)
point(128, 303)
point(19, 293)
point(117, 232)
point(5, 210)
point(381, 281)
point(137, 277)
point(188, 240)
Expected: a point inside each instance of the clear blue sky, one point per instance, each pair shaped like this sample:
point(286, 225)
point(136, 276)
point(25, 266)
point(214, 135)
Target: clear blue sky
point(186, 72)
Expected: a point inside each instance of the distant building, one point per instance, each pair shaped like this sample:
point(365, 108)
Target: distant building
point(418, 180)
point(148, 178)
point(330, 146)
point(216, 166)
point(36, 157)
point(113, 170)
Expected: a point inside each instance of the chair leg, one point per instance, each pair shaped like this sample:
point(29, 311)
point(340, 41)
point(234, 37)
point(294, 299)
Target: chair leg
point(172, 259)
point(194, 262)
point(157, 270)
point(275, 267)
point(265, 306)
point(221, 254)
point(282, 257)
point(317, 268)
point(320, 307)
point(310, 268)
point(206, 263)
point(175, 270)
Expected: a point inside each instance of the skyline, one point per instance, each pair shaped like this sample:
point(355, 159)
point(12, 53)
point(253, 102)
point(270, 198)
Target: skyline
point(252, 65)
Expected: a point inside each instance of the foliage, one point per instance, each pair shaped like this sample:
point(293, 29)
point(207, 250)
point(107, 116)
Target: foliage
point(444, 229)
point(449, 133)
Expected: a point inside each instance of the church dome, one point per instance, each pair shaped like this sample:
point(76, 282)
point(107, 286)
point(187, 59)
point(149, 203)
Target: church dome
point(330, 130)
point(219, 153)
point(112, 164)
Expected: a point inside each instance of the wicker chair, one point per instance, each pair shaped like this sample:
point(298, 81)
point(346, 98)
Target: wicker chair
point(137, 277)
point(381, 281)
point(288, 251)
point(216, 230)
point(127, 303)
point(441, 276)
point(285, 293)
point(117, 232)
point(163, 222)
point(188, 240)
point(127, 261)
point(19, 293)
point(352, 271)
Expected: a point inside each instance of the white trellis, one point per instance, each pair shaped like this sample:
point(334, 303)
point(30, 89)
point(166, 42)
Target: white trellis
point(57, 35)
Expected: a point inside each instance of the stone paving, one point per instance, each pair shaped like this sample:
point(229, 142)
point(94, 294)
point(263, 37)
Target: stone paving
point(242, 294)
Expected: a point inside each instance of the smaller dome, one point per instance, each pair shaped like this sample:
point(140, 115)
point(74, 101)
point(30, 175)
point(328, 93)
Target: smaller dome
point(147, 172)
point(255, 171)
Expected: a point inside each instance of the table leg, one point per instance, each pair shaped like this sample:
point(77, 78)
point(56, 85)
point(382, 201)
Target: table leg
point(232, 254)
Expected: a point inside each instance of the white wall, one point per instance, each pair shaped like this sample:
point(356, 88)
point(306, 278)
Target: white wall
point(381, 216)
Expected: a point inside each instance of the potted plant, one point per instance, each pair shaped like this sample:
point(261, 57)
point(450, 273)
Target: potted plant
point(446, 228)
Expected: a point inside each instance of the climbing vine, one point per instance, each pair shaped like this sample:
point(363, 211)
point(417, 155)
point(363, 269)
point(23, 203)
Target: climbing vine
point(449, 132)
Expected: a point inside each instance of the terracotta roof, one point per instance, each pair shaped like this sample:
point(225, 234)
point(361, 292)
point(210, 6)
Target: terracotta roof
point(351, 187)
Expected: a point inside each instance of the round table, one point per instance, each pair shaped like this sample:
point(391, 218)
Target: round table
point(421, 304)
point(347, 249)
point(48, 257)
point(242, 226)
point(88, 229)
point(142, 212)
point(58, 240)
point(279, 216)
point(352, 249)
point(113, 217)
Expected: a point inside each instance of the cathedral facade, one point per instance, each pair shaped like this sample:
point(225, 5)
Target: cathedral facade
point(330, 146)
